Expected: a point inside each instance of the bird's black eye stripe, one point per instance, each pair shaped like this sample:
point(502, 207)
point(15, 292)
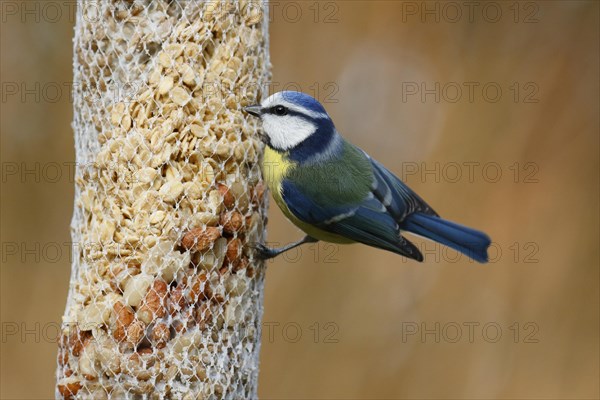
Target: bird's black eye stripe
point(278, 110)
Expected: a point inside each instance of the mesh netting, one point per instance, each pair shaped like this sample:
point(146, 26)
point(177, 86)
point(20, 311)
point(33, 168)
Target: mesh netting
point(165, 298)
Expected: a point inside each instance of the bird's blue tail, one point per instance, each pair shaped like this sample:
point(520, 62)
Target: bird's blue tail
point(470, 242)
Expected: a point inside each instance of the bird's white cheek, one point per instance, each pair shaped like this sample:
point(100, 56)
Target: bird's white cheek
point(286, 132)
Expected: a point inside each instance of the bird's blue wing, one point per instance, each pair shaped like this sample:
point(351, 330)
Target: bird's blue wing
point(397, 198)
point(368, 222)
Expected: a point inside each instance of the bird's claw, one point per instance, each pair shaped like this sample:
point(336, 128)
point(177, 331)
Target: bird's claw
point(263, 252)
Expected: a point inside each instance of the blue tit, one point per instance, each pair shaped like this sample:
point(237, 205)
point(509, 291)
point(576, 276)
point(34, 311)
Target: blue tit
point(335, 192)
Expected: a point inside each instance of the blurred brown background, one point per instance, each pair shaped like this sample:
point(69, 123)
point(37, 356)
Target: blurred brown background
point(354, 322)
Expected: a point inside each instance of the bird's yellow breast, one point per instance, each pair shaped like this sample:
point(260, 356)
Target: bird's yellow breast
point(275, 168)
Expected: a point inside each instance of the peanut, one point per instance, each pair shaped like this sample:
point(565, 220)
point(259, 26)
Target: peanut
point(154, 303)
point(232, 222)
point(200, 239)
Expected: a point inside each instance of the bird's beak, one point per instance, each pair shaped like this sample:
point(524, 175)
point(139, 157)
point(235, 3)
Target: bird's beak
point(255, 110)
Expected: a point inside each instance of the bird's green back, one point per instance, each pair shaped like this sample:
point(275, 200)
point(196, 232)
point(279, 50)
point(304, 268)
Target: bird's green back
point(343, 178)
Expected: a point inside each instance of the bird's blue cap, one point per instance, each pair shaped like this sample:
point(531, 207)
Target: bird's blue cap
point(304, 100)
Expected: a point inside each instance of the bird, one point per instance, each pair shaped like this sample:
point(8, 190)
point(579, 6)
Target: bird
point(335, 192)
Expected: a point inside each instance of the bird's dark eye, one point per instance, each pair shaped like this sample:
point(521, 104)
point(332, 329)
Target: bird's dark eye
point(280, 110)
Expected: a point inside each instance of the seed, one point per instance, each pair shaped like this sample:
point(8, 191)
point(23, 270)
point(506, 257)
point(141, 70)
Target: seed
point(180, 96)
point(123, 318)
point(135, 332)
point(188, 75)
point(234, 250)
point(241, 194)
point(154, 303)
point(161, 334)
point(166, 83)
point(87, 361)
point(93, 316)
point(164, 60)
point(200, 239)
point(107, 230)
point(136, 289)
point(146, 175)
point(232, 222)
point(174, 49)
point(69, 387)
point(213, 259)
point(228, 196)
point(200, 288)
point(157, 217)
point(171, 191)
point(197, 130)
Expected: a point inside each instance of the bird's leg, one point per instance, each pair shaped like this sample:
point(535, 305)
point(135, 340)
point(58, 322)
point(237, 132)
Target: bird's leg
point(265, 253)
